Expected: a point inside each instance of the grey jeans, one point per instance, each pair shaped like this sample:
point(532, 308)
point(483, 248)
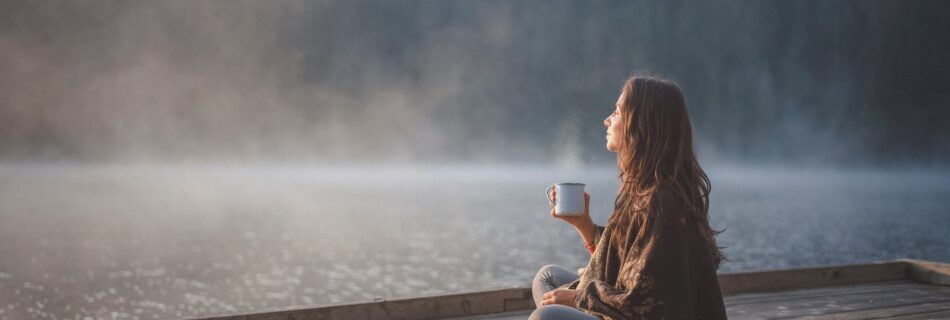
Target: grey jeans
point(547, 279)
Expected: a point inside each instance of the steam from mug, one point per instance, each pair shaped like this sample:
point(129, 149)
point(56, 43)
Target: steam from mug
point(569, 200)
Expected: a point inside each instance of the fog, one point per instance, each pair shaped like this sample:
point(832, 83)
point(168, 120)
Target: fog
point(840, 83)
point(185, 241)
point(175, 159)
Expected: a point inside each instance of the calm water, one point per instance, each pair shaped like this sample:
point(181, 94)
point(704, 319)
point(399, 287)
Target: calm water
point(183, 241)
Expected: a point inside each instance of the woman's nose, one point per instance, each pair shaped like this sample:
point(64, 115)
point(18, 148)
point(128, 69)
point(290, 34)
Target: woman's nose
point(607, 122)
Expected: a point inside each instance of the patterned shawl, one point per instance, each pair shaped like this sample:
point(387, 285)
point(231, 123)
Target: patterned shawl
point(667, 275)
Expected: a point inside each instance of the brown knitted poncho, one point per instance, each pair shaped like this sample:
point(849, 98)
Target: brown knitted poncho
point(670, 274)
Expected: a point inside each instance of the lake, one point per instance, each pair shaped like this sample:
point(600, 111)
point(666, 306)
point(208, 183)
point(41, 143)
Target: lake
point(177, 241)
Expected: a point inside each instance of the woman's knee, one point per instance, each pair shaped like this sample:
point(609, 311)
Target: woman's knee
point(545, 272)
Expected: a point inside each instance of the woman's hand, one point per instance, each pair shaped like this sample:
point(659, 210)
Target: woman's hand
point(581, 221)
point(565, 297)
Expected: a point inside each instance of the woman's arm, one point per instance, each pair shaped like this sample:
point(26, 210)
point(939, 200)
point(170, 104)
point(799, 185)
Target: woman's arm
point(590, 232)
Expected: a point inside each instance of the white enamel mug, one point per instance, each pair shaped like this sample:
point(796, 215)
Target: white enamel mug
point(569, 200)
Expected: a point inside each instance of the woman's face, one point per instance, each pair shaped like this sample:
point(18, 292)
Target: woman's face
point(613, 126)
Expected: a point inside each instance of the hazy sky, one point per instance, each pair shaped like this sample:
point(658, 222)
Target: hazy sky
point(803, 82)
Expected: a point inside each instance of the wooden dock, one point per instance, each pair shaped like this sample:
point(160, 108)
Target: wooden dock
point(900, 289)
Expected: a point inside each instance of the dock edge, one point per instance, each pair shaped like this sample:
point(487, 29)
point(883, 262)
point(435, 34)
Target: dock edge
point(519, 298)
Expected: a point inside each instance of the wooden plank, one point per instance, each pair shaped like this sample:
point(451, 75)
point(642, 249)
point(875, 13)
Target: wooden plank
point(805, 293)
point(928, 271)
point(855, 288)
point(795, 311)
point(434, 307)
point(899, 312)
point(812, 277)
point(924, 316)
point(834, 304)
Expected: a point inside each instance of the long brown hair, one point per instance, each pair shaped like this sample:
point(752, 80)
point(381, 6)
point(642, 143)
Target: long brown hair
point(655, 156)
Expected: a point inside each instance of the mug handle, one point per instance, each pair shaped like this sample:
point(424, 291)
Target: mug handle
point(547, 194)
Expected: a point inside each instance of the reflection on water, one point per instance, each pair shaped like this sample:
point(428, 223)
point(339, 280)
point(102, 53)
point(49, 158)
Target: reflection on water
point(174, 242)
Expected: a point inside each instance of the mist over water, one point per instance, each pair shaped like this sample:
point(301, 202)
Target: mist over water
point(180, 159)
point(157, 242)
point(807, 82)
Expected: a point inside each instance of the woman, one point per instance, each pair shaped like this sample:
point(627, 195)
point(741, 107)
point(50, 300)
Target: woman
point(656, 258)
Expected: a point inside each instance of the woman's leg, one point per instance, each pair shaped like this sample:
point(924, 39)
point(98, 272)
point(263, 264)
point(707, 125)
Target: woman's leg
point(548, 278)
point(559, 312)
